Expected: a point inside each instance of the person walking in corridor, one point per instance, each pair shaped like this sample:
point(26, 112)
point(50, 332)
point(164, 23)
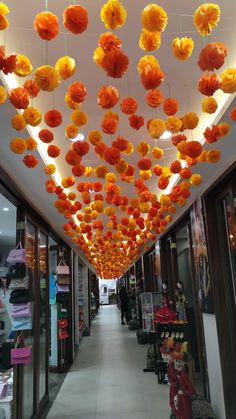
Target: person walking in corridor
point(123, 304)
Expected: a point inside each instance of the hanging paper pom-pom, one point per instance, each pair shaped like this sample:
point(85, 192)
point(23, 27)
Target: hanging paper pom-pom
point(77, 91)
point(70, 103)
point(109, 125)
point(100, 149)
point(213, 156)
point(156, 128)
point(154, 98)
point(208, 84)
point(18, 145)
point(121, 143)
point(3, 95)
point(176, 139)
point(46, 25)
point(46, 136)
point(109, 41)
point(212, 134)
point(18, 122)
point(47, 78)
point(3, 20)
point(81, 147)
point(113, 14)
point(7, 64)
point(232, 114)
point(94, 137)
point(143, 148)
point(182, 48)
point(190, 120)
point(163, 182)
point(115, 63)
point(23, 66)
point(209, 105)
point(149, 41)
point(32, 88)
point(53, 118)
point(136, 121)
point(175, 166)
point(19, 98)
point(75, 19)
point(157, 153)
point(206, 18)
point(154, 18)
point(192, 149)
point(30, 161)
point(72, 158)
point(67, 182)
point(212, 56)
point(174, 124)
point(151, 78)
point(112, 155)
point(101, 171)
point(228, 80)
point(53, 151)
point(79, 118)
point(144, 163)
point(32, 116)
point(185, 173)
point(65, 67)
point(108, 97)
point(195, 180)
point(71, 131)
point(78, 170)
point(50, 169)
point(31, 144)
point(170, 106)
point(148, 61)
point(128, 105)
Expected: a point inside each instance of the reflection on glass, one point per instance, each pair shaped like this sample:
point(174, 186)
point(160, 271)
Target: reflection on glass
point(53, 352)
point(28, 384)
point(42, 318)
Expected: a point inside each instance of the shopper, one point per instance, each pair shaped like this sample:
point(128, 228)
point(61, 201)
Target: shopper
point(123, 304)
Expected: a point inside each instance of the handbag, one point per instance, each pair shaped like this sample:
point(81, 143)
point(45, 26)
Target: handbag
point(63, 334)
point(18, 283)
point(63, 280)
point(21, 356)
point(21, 310)
point(21, 323)
point(63, 288)
point(62, 297)
point(16, 271)
point(62, 268)
point(17, 255)
point(62, 323)
point(3, 390)
point(19, 296)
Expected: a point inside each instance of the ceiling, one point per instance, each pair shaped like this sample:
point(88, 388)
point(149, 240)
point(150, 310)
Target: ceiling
point(7, 222)
point(181, 83)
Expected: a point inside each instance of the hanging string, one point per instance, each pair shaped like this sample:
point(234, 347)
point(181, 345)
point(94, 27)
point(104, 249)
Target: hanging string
point(46, 52)
point(180, 26)
point(128, 87)
point(53, 100)
point(5, 39)
point(168, 86)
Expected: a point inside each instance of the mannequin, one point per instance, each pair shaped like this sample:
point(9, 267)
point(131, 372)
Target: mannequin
point(165, 315)
point(181, 302)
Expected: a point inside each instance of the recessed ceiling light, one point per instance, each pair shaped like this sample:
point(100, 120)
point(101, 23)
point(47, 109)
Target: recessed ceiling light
point(166, 135)
point(80, 137)
point(5, 209)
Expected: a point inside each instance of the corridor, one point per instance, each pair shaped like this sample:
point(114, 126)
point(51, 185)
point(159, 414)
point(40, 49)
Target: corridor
point(106, 380)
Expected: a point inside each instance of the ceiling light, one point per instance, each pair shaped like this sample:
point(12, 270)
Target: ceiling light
point(5, 209)
point(166, 135)
point(79, 137)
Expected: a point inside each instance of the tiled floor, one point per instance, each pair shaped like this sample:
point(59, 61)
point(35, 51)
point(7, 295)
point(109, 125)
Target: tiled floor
point(107, 380)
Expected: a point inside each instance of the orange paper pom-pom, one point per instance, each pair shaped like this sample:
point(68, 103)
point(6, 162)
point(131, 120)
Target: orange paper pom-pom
point(7, 64)
point(212, 56)
point(81, 147)
point(232, 114)
point(176, 139)
point(46, 136)
point(47, 78)
point(67, 182)
point(109, 125)
point(31, 143)
point(193, 149)
point(94, 137)
point(115, 63)
point(185, 173)
point(212, 134)
point(72, 158)
point(78, 170)
point(32, 88)
point(18, 145)
point(206, 18)
point(144, 163)
point(136, 122)
point(154, 98)
point(170, 106)
point(175, 166)
point(3, 23)
point(30, 161)
point(19, 98)
point(121, 143)
point(208, 84)
point(100, 149)
point(109, 41)
point(46, 25)
point(50, 169)
point(112, 155)
point(151, 78)
point(149, 41)
point(209, 105)
point(77, 91)
point(18, 122)
point(53, 118)
point(75, 19)
point(213, 156)
point(53, 151)
point(108, 97)
point(72, 131)
point(128, 105)
point(32, 116)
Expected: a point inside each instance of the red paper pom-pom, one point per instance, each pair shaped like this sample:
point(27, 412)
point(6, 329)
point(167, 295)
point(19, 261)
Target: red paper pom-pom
point(121, 143)
point(136, 122)
point(77, 92)
point(100, 149)
point(46, 136)
point(109, 125)
point(19, 98)
point(30, 161)
point(109, 41)
point(154, 98)
point(108, 97)
point(53, 151)
point(81, 147)
point(175, 167)
point(233, 114)
point(208, 84)
point(170, 106)
point(151, 78)
point(72, 158)
point(78, 170)
point(193, 149)
point(112, 155)
point(53, 118)
point(75, 19)
point(32, 88)
point(212, 134)
point(115, 63)
point(144, 163)
point(185, 173)
point(163, 182)
point(46, 25)
point(128, 105)
point(212, 56)
point(176, 139)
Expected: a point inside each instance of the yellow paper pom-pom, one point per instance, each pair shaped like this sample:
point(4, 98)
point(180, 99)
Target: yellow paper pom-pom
point(144, 207)
point(3, 9)
point(101, 171)
point(209, 105)
point(32, 116)
point(228, 80)
point(23, 66)
point(94, 137)
point(98, 56)
point(190, 120)
point(121, 166)
point(224, 128)
point(72, 131)
point(70, 103)
point(156, 128)
point(18, 122)
point(195, 180)
point(65, 67)
point(213, 156)
point(143, 148)
point(150, 41)
point(31, 143)
point(113, 14)
point(129, 150)
point(154, 18)
point(173, 124)
point(145, 174)
point(18, 145)
point(111, 177)
point(182, 48)
point(206, 18)
point(47, 78)
point(50, 169)
point(3, 95)
point(79, 118)
point(148, 60)
point(157, 153)
point(88, 171)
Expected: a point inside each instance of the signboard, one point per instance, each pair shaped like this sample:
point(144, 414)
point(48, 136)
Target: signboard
point(150, 302)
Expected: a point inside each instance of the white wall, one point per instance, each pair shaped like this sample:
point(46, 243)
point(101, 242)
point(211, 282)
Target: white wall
point(214, 366)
